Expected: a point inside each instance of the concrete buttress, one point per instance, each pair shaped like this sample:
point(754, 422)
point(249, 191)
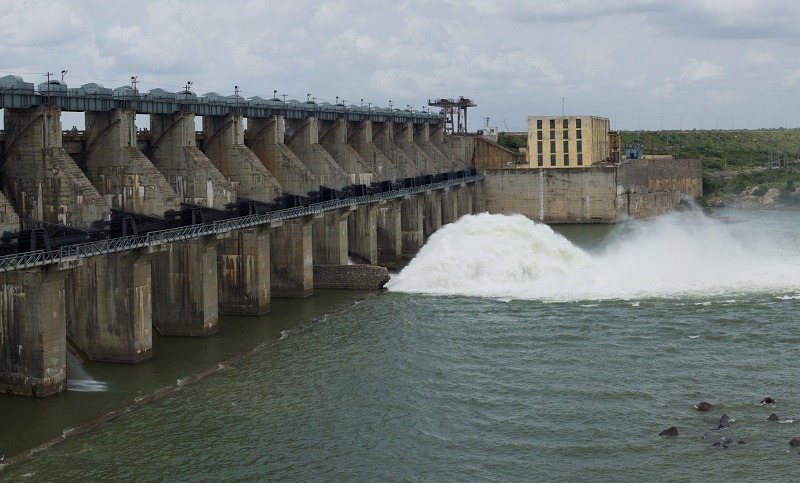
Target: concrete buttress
point(360, 139)
point(223, 143)
point(383, 138)
point(185, 297)
point(33, 349)
point(173, 150)
point(243, 269)
point(119, 171)
point(333, 138)
point(404, 138)
point(450, 208)
point(266, 137)
point(446, 146)
point(110, 307)
point(40, 178)
point(303, 140)
point(422, 138)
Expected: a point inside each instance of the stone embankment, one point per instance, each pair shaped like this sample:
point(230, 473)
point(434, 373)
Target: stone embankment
point(350, 277)
point(750, 199)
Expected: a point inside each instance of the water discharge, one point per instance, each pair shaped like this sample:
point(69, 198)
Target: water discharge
point(678, 255)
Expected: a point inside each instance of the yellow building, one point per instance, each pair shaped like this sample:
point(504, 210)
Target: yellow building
point(567, 141)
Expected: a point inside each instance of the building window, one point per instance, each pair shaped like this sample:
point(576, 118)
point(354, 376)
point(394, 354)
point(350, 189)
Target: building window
point(540, 160)
point(552, 160)
point(539, 146)
point(566, 146)
point(580, 159)
point(565, 134)
point(539, 135)
point(577, 123)
point(578, 134)
point(552, 146)
point(565, 123)
point(580, 146)
point(538, 124)
point(566, 160)
point(552, 134)
point(552, 123)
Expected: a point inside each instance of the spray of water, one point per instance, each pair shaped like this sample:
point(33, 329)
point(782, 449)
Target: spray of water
point(684, 254)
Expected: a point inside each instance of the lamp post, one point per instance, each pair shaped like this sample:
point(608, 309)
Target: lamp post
point(63, 73)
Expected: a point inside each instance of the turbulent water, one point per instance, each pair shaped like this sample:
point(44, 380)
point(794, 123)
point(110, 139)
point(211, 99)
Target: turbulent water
point(505, 351)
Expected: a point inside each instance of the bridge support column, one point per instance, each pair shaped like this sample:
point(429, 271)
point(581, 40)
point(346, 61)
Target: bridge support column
point(110, 308)
point(185, 297)
point(224, 145)
point(413, 219)
point(330, 238)
point(43, 182)
point(362, 229)
point(390, 235)
point(433, 212)
point(449, 204)
point(119, 171)
point(465, 194)
point(292, 259)
point(243, 267)
point(33, 350)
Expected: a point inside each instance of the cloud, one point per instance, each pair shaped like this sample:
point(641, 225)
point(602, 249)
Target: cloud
point(697, 70)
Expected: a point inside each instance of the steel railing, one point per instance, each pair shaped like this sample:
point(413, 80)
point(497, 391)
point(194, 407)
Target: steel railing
point(67, 253)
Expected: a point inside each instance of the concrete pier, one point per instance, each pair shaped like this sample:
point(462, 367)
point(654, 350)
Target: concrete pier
point(120, 172)
point(450, 209)
point(33, 352)
point(266, 138)
point(362, 232)
point(109, 307)
point(223, 140)
point(185, 297)
point(44, 183)
point(292, 260)
point(390, 235)
point(188, 170)
point(422, 138)
point(243, 268)
point(433, 213)
point(413, 222)
point(330, 240)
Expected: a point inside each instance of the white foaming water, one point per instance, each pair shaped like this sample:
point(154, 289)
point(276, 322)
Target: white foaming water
point(671, 256)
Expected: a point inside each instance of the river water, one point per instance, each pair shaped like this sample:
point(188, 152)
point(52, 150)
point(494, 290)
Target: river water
point(505, 351)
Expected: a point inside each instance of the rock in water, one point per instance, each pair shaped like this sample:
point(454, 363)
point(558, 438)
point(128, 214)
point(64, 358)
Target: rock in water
point(794, 442)
point(724, 422)
point(768, 401)
point(704, 406)
point(669, 432)
point(723, 443)
point(772, 417)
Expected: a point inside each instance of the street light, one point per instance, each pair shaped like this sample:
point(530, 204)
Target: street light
point(63, 73)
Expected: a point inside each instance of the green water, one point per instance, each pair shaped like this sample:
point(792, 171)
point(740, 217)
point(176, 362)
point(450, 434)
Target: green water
point(422, 387)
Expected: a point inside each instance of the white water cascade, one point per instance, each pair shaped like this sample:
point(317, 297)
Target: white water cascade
point(679, 255)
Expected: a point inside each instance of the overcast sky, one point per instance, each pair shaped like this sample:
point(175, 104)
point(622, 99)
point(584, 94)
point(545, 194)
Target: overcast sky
point(646, 64)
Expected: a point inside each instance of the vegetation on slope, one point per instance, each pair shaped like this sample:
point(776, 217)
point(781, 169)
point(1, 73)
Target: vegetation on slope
point(734, 162)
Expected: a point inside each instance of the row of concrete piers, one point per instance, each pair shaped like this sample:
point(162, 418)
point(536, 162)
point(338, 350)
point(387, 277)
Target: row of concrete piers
point(107, 307)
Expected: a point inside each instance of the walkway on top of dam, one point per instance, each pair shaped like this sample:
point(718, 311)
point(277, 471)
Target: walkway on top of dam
point(17, 94)
point(73, 252)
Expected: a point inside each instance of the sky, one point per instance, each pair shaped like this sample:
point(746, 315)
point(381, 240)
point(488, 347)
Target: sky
point(644, 64)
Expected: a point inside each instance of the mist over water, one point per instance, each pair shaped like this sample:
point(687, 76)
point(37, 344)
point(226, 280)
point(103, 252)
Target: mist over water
point(678, 255)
